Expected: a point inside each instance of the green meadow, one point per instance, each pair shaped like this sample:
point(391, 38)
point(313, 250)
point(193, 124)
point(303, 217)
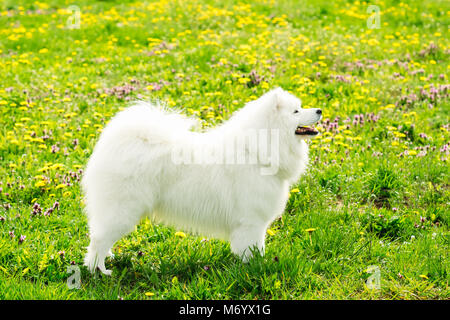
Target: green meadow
point(369, 220)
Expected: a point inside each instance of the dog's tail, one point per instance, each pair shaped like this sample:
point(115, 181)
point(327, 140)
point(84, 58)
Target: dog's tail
point(151, 121)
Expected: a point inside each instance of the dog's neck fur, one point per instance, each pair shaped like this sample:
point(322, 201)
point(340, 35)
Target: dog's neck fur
point(244, 120)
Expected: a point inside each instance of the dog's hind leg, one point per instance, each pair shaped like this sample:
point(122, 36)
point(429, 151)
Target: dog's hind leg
point(105, 230)
point(246, 239)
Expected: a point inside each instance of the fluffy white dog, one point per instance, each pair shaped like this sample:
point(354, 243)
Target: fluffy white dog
point(230, 182)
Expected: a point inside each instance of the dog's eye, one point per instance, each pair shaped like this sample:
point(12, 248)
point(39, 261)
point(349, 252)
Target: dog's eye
point(296, 111)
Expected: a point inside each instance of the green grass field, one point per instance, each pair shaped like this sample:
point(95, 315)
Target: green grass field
point(376, 192)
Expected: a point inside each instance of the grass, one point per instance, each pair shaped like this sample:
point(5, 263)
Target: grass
point(376, 192)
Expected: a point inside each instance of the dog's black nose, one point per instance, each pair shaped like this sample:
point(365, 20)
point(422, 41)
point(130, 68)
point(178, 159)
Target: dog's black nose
point(319, 111)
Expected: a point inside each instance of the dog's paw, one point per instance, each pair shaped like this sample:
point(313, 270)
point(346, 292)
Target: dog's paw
point(106, 272)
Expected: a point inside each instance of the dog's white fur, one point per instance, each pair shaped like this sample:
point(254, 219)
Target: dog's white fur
point(131, 174)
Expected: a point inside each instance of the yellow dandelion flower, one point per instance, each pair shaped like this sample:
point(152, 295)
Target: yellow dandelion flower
point(243, 80)
point(180, 234)
point(40, 183)
point(277, 284)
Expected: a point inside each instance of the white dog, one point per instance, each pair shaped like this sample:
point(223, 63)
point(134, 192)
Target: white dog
point(221, 183)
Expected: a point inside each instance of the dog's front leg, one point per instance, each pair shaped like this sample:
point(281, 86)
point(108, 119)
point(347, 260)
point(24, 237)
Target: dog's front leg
point(247, 239)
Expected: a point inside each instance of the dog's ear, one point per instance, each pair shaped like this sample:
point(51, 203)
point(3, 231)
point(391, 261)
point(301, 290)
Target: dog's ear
point(276, 98)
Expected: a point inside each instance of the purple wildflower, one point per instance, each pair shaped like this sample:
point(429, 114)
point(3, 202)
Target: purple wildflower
point(22, 239)
point(55, 148)
point(36, 209)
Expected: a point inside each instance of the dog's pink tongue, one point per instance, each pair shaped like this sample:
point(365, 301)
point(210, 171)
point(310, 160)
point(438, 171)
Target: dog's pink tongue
point(305, 130)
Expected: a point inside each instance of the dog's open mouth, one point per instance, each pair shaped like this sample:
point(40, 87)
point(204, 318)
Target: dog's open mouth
point(308, 131)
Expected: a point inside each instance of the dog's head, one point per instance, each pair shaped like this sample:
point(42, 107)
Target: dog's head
point(289, 114)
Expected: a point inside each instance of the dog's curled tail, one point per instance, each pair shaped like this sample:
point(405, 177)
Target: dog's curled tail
point(150, 121)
